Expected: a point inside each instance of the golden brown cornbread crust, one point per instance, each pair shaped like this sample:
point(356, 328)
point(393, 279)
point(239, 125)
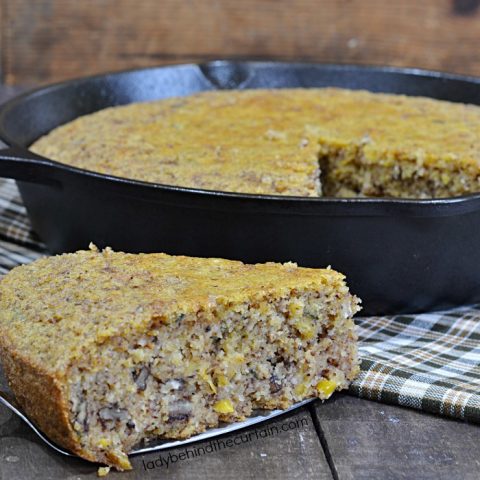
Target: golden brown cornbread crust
point(271, 141)
point(115, 282)
point(104, 349)
point(42, 396)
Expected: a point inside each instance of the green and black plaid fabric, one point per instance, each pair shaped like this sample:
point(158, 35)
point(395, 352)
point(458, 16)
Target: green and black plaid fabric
point(18, 243)
point(429, 361)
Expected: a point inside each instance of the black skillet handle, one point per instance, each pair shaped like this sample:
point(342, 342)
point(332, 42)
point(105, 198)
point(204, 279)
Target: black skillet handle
point(21, 164)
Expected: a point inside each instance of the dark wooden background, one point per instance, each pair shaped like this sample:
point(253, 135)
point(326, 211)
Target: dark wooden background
point(47, 40)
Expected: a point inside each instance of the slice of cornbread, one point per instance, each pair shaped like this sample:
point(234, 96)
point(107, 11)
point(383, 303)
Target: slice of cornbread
point(106, 349)
point(303, 142)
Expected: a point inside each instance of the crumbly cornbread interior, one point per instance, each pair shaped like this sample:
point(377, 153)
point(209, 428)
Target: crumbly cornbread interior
point(151, 345)
point(302, 142)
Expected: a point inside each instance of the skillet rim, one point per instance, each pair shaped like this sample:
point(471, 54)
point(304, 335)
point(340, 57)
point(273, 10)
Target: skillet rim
point(22, 153)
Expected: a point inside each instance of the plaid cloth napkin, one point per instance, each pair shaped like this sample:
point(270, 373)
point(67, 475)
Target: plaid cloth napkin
point(427, 361)
point(18, 243)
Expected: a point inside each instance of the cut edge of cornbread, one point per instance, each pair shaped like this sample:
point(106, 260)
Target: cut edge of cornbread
point(186, 371)
point(350, 170)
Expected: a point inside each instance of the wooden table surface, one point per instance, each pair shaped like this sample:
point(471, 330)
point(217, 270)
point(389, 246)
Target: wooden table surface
point(343, 438)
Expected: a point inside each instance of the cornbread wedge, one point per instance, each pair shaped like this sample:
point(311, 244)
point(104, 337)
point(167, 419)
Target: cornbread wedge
point(303, 142)
point(106, 349)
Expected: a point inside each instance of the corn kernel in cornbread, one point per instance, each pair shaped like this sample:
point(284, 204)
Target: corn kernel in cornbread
point(223, 406)
point(106, 349)
point(326, 387)
point(303, 142)
point(103, 471)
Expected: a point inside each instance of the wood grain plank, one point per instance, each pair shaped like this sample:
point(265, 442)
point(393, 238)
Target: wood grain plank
point(7, 92)
point(292, 454)
point(50, 40)
point(369, 440)
point(2, 39)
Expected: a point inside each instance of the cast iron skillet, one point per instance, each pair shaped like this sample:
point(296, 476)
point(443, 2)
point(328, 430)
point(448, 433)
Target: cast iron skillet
point(399, 255)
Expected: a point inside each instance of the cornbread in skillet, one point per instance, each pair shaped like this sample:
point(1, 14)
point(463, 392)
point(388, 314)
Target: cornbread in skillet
point(105, 349)
point(274, 141)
